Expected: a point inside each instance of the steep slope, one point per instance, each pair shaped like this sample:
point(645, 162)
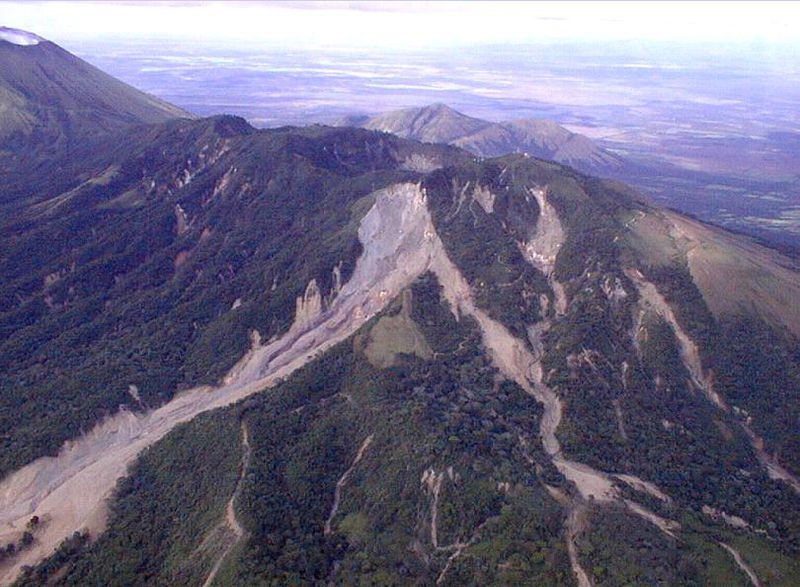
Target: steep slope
point(147, 265)
point(545, 139)
point(47, 94)
point(449, 369)
point(719, 261)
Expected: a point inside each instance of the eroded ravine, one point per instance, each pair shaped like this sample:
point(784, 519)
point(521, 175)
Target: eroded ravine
point(231, 521)
point(652, 300)
point(542, 249)
point(516, 362)
point(69, 492)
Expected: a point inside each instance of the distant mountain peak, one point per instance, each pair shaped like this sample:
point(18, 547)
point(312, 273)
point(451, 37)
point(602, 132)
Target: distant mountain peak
point(50, 96)
point(440, 107)
point(19, 37)
point(435, 123)
point(543, 138)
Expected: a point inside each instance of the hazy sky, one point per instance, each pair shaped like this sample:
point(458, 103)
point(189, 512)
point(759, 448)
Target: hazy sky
point(412, 24)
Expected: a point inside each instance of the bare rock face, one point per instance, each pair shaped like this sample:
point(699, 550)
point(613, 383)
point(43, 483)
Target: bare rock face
point(485, 198)
point(308, 306)
point(517, 336)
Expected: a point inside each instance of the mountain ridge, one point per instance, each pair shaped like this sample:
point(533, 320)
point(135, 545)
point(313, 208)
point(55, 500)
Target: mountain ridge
point(335, 356)
point(438, 123)
point(559, 280)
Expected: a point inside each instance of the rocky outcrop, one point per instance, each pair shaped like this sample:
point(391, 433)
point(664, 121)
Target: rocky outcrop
point(308, 307)
point(70, 490)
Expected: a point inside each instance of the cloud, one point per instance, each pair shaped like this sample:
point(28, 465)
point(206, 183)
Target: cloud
point(401, 25)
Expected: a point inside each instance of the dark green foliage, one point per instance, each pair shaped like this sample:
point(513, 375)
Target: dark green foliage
point(103, 287)
point(118, 289)
point(517, 547)
point(669, 432)
point(758, 370)
point(691, 312)
point(163, 511)
point(675, 437)
point(590, 245)
point(480, 245)
point(617, 549)
point(442, 415)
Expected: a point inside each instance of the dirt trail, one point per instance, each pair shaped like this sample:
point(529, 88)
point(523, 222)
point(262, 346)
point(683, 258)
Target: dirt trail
point(651, 299)
point(458, 549)
point(230, 511)
point(575, 525)
point(337, 492)
point(69, 492)
point(742, 565)
point(431, 482)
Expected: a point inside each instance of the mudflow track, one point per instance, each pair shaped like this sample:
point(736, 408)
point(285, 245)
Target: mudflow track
point(69, 492)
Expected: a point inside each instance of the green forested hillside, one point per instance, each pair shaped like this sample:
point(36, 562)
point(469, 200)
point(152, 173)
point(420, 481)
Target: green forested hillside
point(122, 270)
point(443, 436)
point(557, 399)
point(161, 525)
